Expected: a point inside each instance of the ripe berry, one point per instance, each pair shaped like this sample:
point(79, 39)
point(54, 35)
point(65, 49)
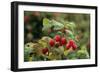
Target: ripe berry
point(57, 38)
point(51, 42)
point(71, 42)
point(45, 50)
point(68, 46)
point(74, 46)
point(63, 41)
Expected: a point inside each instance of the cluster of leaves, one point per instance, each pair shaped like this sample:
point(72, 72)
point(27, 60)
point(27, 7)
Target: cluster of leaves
point(56, 36)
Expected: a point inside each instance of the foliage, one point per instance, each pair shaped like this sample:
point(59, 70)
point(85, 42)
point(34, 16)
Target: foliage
point(56, 36)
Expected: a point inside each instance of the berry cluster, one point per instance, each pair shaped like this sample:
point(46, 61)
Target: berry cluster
point(60, 41)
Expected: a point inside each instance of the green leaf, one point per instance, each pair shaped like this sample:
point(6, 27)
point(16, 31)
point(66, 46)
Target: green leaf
point(72, 55)
point(66, 52)
point(82, 54)
point(57, 25)
point(46, 24)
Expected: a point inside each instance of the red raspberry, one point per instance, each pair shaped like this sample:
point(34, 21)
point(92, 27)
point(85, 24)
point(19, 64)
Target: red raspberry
point(57, 38)
point(68, 46)
point(51, 42)
point(45, 50)
point(74, 46)
point(63, 41)
point(71, 42)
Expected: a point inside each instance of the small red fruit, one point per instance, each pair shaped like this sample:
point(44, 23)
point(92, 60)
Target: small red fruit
point(71, 42)
point(45, 50)
point(26, 19)
point(51, 42)
point(74, 46)
point(57, 38)
point(63, 41)
point(68, 46)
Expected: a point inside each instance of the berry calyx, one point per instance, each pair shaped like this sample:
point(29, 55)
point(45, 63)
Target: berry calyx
point(57, 44)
